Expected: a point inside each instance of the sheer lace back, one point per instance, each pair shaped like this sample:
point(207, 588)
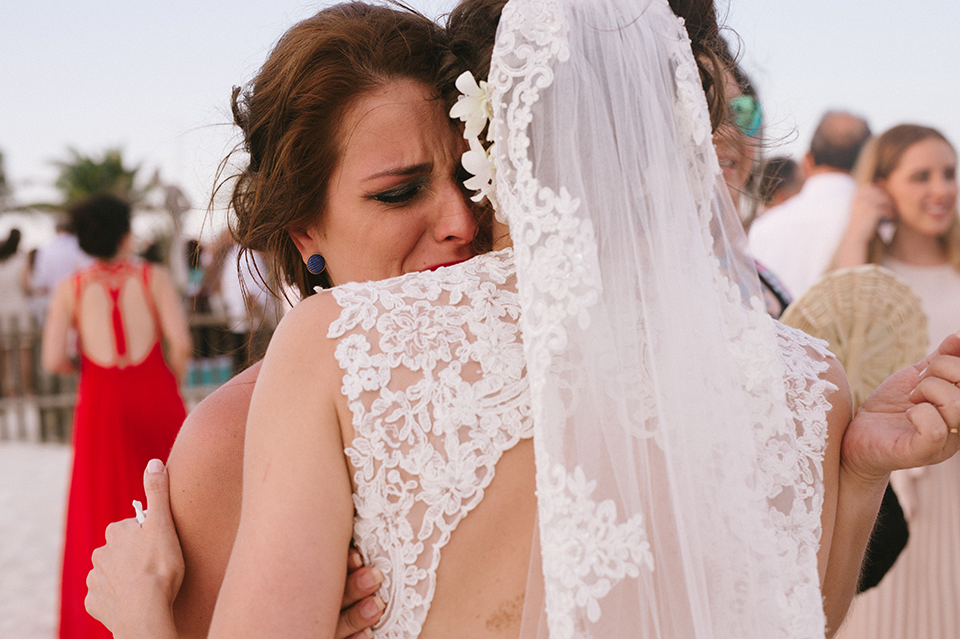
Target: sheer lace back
point(433, 373)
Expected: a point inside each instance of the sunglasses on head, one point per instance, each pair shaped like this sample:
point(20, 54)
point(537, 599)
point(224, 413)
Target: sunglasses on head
point(745, 113)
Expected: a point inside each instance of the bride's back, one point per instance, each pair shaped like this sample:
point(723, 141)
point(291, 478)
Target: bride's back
point(440, 451)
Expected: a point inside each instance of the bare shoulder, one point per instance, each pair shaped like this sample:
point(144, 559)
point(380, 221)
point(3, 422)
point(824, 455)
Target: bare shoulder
point(159, 277)
point(213, 431)
point(206, 474)
point(300, 345)
point(829, 368)
point(312, 315)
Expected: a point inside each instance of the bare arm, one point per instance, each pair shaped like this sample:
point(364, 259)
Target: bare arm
point(206, 471)
point(905, 423)
point(205, 474)
point(54, 352)
point(849, 510)
point(287, 568)
point(173, 321)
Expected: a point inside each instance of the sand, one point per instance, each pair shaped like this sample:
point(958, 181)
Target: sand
point(33, 488)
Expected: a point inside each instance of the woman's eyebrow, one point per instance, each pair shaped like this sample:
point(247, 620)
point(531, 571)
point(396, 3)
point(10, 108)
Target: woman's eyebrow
point(415, 169)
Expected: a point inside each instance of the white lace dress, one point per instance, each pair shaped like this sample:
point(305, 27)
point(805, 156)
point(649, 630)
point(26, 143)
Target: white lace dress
point(433, 370)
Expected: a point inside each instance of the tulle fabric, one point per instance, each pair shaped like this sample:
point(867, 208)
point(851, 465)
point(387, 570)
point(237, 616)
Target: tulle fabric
point(676, 495)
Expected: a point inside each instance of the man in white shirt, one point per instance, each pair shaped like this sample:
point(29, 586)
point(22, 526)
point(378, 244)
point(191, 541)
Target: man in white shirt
point(54, 261)
point(796, 240)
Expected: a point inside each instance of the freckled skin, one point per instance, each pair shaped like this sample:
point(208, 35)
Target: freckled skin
point(507, 615)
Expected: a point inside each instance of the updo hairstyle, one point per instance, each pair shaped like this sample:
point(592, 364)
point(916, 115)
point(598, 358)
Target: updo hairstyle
point(290, 115)
point(472, 29)
point(101, 222)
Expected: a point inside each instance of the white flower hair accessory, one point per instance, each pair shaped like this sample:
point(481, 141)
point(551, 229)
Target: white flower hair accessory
point(474, 109)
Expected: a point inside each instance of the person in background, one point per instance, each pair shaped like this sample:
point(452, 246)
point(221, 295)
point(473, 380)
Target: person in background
point(738, 140)
point(780, 179)
point(251, 310)
point(15, 355)
point(904, 217)
point(54, 261)
point(797, 239)
point(128, 405)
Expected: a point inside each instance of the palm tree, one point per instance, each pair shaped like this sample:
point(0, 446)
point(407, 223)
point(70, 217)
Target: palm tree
point(84, 175)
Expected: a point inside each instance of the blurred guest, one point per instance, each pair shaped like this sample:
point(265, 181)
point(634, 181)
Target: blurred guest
point(797, 239)
point(908, 185)
point(251, 311)
point(194, 268)
point(54, 261)
point(153, 253)
point(780, 179)
point(15, 360)
point(128, 406)
point(737, 141)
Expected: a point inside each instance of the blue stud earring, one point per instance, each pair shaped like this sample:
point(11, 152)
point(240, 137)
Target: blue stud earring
point(316, 264)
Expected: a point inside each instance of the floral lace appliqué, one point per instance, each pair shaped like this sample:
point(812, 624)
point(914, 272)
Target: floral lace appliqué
point(433, 372)
point(585, 572)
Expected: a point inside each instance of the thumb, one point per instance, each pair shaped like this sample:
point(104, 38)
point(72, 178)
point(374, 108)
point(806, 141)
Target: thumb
point(156, 485)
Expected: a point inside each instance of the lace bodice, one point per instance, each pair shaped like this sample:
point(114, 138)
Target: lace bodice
point(433, 372)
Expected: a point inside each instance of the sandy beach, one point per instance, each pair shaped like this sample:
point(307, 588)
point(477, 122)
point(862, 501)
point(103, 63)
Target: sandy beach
point(33, 488)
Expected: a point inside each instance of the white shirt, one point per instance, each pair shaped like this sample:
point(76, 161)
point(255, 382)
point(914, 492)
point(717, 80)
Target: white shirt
point(797, 239)
point(252, 268)
point(55, 261)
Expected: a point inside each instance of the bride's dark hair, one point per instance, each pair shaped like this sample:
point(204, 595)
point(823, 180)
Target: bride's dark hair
point(472, 28)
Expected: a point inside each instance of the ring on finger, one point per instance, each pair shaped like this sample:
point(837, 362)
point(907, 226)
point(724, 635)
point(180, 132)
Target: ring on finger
point(138, 507)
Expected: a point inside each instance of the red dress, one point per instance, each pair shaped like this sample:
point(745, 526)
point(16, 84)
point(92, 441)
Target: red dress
point(125, 415)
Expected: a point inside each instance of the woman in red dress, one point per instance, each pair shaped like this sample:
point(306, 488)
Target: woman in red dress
point(129, 408)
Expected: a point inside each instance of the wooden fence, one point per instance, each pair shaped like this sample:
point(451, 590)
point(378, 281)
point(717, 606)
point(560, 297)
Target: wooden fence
point(38, 407)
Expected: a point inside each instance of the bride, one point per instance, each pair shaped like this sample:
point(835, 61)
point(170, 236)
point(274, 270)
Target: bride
point(684, 447)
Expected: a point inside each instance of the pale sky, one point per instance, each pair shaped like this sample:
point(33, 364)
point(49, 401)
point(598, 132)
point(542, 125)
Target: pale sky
point(154, 78)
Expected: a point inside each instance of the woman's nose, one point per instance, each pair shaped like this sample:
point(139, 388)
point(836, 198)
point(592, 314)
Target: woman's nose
point(455, 221)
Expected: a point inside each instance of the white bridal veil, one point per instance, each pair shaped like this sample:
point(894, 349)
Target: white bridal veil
point(679, 495)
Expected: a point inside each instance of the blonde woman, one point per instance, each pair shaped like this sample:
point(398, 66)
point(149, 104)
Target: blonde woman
point(904, 216)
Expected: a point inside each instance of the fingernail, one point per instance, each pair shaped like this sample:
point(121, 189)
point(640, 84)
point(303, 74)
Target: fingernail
point(355, 560)
point(368, 633)
point(372, 607)
point(924, 372)
point(371, 579)
point(154, 466)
